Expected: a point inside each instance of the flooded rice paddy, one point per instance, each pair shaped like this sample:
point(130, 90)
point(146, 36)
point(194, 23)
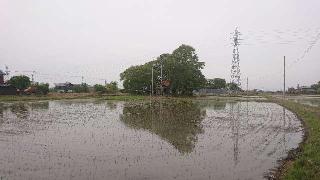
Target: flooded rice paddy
point(163, 139)
point(311, 100)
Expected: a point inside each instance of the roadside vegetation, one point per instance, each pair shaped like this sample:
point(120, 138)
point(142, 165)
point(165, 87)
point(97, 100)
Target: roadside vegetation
point(304, 163)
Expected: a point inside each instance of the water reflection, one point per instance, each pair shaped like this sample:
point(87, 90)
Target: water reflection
point(178, 122)
point(111, 105)
point(234, 116)
point(39, 105)
point(284, 125)
point(20, 110)
point(163, 139)
point(215, 105)
point(19, 116)
point(2, 109)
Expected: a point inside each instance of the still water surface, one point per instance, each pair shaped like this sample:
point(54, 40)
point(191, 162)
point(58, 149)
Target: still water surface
point(162, 139)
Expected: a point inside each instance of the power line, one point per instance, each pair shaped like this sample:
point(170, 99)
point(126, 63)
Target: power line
point(311, 44)
point(308, 49)
point(59, 75)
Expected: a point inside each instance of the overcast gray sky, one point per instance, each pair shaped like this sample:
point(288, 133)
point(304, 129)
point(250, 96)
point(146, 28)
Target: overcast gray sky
point(99, 39)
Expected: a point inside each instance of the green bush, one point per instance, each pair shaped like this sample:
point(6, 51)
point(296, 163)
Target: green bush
point(99, 88)
point(42, 88)
point(20, 82)
point(83, 88)
point(112, 87)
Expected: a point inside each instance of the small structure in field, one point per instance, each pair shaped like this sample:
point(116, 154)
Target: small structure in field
point(7, 89)
point(64, 87)
point(307, 90)
point(302, 90)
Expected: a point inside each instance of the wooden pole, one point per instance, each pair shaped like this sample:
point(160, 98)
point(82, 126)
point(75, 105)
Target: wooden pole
point(284, 77)
point(247, 86)
point(152, 81)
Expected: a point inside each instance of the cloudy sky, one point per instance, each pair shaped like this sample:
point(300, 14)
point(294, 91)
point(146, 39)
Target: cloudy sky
point(63, 40)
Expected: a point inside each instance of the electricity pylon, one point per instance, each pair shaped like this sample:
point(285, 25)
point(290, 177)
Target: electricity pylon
point(235, 67)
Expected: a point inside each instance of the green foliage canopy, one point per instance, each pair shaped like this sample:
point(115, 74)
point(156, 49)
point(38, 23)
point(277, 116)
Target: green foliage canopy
point(20, 82)
point(99, 88)
point(233, 87)
point(82, 88)
point(112, 87)
point(42, 88)
point(181, 68)
point(216, 83)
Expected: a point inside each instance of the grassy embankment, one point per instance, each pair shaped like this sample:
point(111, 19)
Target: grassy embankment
point(303, 163)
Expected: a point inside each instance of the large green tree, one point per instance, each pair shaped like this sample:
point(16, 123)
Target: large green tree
point(186, 73)
point(137, 79)
point(181, 69)
point(20, 82)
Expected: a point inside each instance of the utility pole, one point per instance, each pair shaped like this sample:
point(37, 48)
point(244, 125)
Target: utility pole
point(284, 77)
point(7, 73)
point(82, 79)
point(161, 81)
point(152, 80)
point(32, 76)
point(247, 86)
point(7, 70)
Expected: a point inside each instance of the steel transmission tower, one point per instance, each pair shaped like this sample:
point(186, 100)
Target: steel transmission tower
point(235, 68)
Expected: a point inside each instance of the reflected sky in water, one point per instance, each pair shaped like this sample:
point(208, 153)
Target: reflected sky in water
point(160, 139)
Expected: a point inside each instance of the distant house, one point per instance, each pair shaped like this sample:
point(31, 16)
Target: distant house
point(64, 87)
point(292, 90)
point(302, 90)
point(6, 89)
point(307, 90)
point(164, 87)
point(2, 77)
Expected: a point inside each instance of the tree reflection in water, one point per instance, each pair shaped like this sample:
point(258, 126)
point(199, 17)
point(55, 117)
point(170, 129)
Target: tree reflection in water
point(20, 117)
point(2, 109)
point(176, 121)
point(20, 110)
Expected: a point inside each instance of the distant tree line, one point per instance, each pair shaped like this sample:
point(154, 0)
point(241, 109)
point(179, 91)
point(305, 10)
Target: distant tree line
point(24, 85)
